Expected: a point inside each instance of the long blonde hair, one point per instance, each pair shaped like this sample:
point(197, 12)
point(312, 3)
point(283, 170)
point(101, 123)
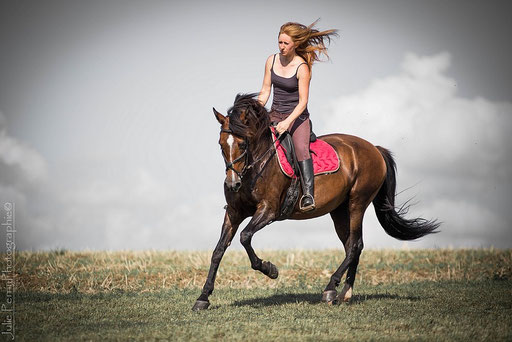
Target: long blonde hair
point(309, 42)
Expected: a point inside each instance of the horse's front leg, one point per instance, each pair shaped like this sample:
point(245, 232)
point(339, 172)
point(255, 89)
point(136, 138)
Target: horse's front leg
point(231, 222)
point(263, 216)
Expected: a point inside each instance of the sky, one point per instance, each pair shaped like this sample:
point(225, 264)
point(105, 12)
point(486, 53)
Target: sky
point(108, 139)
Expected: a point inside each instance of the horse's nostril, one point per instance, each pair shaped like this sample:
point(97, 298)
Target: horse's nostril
point(233, 186)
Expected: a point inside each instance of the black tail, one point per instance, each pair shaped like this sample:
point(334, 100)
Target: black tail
point(391, 218)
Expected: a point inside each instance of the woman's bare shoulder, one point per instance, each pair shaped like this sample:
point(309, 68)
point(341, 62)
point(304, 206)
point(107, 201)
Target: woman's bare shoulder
point(303, 71)
point(268, 62)
point(298, 59)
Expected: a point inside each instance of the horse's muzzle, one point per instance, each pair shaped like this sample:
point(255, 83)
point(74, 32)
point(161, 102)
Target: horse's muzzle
point(233, 184)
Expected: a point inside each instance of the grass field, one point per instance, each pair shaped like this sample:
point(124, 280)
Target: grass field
point(398, 295)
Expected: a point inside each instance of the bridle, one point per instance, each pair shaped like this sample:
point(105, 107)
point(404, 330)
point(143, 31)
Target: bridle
point(245, 156)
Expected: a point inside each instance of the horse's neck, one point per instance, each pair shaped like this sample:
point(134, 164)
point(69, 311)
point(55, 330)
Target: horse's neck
point(263, 159)
point(264, 149)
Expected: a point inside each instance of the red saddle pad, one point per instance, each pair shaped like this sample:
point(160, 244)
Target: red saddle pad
point(325, 158)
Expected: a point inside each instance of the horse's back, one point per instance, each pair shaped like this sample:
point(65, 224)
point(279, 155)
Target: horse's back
point(356, 154)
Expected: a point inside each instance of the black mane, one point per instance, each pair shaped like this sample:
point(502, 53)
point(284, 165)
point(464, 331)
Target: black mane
point(248, 118)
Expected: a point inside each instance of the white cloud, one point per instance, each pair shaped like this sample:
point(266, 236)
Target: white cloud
point(458, 149)
point(15, 154)
point(22, 170)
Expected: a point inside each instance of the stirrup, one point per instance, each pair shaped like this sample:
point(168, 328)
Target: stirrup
point(308, 207)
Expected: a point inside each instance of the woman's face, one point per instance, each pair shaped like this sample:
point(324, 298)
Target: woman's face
point(286, 45)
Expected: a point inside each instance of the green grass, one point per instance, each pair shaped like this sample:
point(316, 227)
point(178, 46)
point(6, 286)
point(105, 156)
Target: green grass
point(442, 295)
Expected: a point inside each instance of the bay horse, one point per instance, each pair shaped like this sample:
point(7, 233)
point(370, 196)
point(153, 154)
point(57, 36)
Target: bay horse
point(255, 186)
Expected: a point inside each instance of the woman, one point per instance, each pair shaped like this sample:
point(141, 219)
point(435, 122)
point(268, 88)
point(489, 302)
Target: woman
point(289, 72)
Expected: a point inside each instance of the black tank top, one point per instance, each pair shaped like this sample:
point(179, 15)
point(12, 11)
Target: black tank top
point(286, 91)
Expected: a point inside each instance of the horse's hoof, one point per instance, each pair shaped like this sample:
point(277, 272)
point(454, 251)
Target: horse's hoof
point(273, 272)
point(329, 296)
point(346, 294)
point(201, 305)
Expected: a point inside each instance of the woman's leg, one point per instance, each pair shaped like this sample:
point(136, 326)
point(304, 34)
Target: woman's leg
point(301, 131)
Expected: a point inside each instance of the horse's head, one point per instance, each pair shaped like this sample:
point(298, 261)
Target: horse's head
point(234, 149)
point(243, 134)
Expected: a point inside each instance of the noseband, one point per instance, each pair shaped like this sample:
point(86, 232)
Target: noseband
point(244, 155)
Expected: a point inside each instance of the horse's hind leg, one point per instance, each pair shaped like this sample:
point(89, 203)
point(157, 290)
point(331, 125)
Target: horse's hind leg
point(341, 219)
point(260, 219)
point(348, 222)
point(231, 222)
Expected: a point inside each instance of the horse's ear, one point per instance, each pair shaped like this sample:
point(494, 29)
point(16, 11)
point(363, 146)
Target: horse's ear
point(220, 118)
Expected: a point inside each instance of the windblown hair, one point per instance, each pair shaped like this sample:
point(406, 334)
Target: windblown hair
point(309, 41)
point(248, 118)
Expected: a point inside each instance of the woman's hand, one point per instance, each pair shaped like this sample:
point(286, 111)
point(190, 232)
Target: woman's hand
point(283, 126)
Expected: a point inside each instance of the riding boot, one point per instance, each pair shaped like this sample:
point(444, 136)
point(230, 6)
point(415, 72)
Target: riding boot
point(307, 201)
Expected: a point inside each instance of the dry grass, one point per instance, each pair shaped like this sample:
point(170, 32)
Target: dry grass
point(93, 272)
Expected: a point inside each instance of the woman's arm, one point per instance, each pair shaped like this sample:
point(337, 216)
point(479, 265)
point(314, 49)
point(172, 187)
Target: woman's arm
point(266, 87)
point(304, 77)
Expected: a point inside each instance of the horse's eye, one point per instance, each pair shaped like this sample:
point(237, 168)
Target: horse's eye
point(242, 145)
